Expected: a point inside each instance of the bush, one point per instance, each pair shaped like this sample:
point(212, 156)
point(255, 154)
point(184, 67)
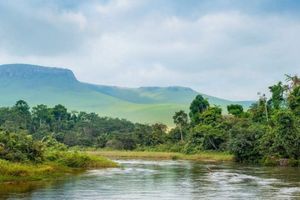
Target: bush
point(75, 160)
point(20, 147)
point(294, 163)
point(114, 144)
point(78, 160)
point(269, 161)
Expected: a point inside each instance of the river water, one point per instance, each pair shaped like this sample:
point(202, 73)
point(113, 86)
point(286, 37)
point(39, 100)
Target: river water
point(160, 179)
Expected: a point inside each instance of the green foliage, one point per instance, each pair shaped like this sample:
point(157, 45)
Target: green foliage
point(277, 99)
point(212, 116)
point(244, 142)
point(294, 99)
point(114, 144)
point(174, 135)
point(20, 147)
point(58, 164)
point(293, 81)
point(210, 137)
point(197, 107)
point(269, 161)
point(287, 135)
point(79, 160)
point(101, 141)
point(166, 147)
point(294, 163)
point(235, 109)
point(258, 111)
point(180, 119)
point(52, 86)
point(41, 118)
point(269, 131)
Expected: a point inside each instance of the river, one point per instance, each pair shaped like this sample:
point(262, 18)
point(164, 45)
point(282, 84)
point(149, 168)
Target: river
point(161, 179)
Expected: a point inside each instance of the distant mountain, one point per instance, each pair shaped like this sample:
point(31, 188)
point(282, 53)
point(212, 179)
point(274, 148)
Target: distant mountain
point(51, 86)
point(161, 95)
point(148, 95)
point(37, 77)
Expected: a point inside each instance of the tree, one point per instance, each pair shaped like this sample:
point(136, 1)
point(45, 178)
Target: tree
point(235, 109)
point(23, 115)
point(293, 81)
point(157, 134)
point(41, 115)
point(257, 112)
point(208, 133)
point(277, 95)
point(211, 116)
point(287, 135)
point(263, 100)
point(22, 107)
point(209, 136)
point(197, 107)
point(294, 99)
point(180, 119)
point(60, 113)
point(101, 141)
point(244, 141)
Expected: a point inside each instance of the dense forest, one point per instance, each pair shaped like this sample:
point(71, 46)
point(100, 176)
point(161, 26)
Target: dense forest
point(269, 131)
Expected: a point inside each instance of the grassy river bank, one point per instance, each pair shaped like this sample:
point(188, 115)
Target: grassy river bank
point(58, 164)
point(203, 156)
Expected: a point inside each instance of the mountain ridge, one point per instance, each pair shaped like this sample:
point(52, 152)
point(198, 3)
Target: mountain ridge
point(45, 85)
point(28, 70)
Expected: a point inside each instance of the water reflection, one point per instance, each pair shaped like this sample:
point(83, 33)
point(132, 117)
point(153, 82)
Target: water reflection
point(149, 179)
point(21, 190)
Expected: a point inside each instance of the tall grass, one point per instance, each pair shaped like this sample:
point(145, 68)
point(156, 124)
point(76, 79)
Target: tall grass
point(28, 171)
point(203, 156)
point(58, 164)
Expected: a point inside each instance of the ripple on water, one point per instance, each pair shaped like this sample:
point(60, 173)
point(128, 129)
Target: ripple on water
point(116, 171)
point(149, 179)
point(153, 162)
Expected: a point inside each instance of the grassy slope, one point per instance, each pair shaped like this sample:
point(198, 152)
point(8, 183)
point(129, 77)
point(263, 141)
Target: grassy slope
point(52, 86)
point(158, 95)
point(148, 95)
point(83, 99)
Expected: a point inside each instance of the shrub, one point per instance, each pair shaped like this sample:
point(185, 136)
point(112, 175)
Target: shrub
point(114, 144)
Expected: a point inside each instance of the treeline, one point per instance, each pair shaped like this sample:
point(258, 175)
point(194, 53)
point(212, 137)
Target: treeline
point(79, 128)
point(268, 131)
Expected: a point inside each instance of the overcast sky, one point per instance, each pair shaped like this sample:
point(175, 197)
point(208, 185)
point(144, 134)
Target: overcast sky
point(226, 48)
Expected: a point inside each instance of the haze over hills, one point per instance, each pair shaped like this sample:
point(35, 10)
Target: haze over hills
point(150, 95)
point(51, 86)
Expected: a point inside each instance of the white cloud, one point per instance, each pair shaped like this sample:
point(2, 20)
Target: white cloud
point(230, 53)
point(116, 7)
point(76, 18)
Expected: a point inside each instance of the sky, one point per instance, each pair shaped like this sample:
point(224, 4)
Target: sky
point(230, 49)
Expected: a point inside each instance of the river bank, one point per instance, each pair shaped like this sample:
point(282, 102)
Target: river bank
point(203, 156)
point(60, 164)
point(166, 179)
point(57, 165)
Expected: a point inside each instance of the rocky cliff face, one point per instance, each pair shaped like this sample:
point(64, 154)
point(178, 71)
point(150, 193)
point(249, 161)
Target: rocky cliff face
point(24, 71)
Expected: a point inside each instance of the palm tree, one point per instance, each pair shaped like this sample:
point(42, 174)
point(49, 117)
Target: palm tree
point(263, 98)
point(293, 81)
point(180, 119)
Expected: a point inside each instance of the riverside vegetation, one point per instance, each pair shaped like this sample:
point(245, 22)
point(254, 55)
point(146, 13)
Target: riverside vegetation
point(23, 159)
point(267, 133)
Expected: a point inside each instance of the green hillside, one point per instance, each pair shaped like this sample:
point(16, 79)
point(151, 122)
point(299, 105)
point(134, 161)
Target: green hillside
point(159, 95)
point(148, 95)
point(52, 86)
